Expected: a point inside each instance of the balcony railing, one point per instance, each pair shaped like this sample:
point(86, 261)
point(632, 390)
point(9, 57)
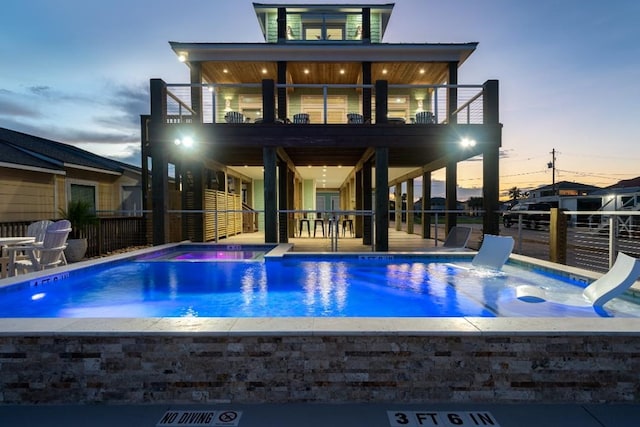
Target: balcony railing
point(324, 103)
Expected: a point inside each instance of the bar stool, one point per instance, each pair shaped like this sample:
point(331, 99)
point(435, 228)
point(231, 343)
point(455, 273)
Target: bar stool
point(316, 222)
point(347, 222)
point(304, 221)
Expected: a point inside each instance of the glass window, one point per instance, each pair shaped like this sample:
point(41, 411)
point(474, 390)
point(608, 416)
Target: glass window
point(86, 193)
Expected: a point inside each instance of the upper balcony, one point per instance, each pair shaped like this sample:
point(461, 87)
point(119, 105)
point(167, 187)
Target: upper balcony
point(326, 104)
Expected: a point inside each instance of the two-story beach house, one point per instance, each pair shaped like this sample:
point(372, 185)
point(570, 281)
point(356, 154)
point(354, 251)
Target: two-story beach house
point(260, 122)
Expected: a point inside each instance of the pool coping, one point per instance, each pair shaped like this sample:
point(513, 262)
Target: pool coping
point(315, 326)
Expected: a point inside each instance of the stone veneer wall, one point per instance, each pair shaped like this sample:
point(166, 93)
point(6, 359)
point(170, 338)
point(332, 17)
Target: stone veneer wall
point(309, 368)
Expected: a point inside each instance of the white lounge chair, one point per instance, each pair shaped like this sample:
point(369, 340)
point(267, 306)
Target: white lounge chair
point(456, 240)
point(623, 274)
point(494, 252)
point(47, 254)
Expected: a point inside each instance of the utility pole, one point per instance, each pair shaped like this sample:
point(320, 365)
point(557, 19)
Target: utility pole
point(552, 165)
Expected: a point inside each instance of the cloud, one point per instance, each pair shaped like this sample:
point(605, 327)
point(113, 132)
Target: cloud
point(10, 106)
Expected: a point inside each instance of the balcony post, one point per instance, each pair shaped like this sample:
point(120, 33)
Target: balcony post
point(196, 90)
point(490, 102)
point(452, 92)
point(366, 91)
point(268, 101)
point(282, 91)
point(382, 99)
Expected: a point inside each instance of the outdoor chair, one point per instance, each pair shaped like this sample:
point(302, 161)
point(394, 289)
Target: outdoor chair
point(301, 118)
point(623, 274)
point(234, 117)
point(38, 229)
point(47, 254)
point(494, 252)
point(456, 240)
point(425, 117)
point(355, 118)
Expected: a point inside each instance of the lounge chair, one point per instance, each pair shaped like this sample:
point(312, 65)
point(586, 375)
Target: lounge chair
point(43, 255)
point(623, 274)
point(494, 252)
point(456, 240)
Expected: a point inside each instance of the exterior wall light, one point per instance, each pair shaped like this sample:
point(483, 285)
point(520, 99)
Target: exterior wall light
point(182, 57)
point(186, 141)
point(467, 142)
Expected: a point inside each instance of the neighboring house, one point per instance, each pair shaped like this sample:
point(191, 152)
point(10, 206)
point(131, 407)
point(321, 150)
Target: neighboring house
point(320, 105)
point(38, 177)
point(624, 195)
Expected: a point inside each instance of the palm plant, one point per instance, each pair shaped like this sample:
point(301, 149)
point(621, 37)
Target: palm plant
point(81, 215)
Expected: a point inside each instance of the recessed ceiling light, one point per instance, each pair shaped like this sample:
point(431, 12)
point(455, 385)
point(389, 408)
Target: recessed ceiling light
point(342, 71)
point(384, 71)
point(306, 71)
point(224, 70)
point(421, 70)
point(264, 71)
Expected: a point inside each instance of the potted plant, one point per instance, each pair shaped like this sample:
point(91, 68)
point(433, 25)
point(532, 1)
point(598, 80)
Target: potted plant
point(81, 215)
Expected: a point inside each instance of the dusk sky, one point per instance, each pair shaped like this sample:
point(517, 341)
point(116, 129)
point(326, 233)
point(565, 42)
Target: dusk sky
point(78, 71)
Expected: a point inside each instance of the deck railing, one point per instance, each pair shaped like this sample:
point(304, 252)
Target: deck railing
point(404, 101)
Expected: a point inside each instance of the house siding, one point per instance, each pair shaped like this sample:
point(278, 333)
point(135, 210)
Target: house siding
point(26, 195)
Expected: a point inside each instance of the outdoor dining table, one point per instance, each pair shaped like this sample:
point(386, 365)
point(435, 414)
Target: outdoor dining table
point(8, 260)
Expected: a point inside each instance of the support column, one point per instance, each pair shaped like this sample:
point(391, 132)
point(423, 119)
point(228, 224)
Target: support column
point(490, 189)
point(490, 161)
point(451, 198)
point(367, 186)
point(397, 215)
point(426, 205)
point(270, 195)
point(382, 199)
point(359, 204)
point(410, 214)
point(283, 192)
point(159, 163)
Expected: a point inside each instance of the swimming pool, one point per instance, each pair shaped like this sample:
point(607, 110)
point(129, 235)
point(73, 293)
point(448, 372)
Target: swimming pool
point(223, 281)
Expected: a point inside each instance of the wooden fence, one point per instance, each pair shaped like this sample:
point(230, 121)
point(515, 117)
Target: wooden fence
point(108, 235)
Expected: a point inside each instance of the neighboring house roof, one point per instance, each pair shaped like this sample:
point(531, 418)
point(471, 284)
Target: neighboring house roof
point(12, 155)
point(567, 185)
point(626, 183)
point(35, 152)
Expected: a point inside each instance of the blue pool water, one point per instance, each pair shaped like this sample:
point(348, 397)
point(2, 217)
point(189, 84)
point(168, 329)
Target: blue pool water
point(339, 286)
